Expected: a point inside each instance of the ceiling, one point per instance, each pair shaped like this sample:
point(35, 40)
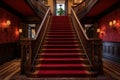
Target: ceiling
point(20, 6)
point(60, 1)
point(101, 6)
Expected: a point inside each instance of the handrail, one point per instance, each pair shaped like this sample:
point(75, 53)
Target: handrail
point(30, 47)
point(84, 7)
point(92, 47)
point(38, 7)
point(42, 23)
point(80, 25)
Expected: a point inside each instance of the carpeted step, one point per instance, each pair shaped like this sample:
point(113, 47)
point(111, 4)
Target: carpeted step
point(60, 42)
point(60, 30)
point(60, 36)
point(72, 45)
point(60, 39)
point(62, 50)
point(60, 33)
point(61, 61)
point(71, 35)
point(61, 73)
point(62, 67)
point(61, 55)
point(60, 25)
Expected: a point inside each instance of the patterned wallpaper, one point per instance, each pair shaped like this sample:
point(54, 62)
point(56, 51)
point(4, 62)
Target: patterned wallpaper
point(9, 34)
point(107, 33)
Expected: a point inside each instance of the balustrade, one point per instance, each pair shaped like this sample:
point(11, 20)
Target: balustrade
point(92, 47)
point(84, 7)
point(30, 46)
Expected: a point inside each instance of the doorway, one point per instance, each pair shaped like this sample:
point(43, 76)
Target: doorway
point(60, 7)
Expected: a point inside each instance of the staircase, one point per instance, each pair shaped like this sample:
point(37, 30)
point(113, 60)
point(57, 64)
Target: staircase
point(61, 54)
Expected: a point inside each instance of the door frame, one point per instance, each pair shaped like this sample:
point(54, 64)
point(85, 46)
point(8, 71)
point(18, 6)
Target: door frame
point(66, 7)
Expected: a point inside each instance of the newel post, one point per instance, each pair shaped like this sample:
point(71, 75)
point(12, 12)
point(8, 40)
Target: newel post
point(26, 53)
point(98, 56)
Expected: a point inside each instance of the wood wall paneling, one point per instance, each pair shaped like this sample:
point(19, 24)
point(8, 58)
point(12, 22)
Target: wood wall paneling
point(9, 51)
point(111, 50)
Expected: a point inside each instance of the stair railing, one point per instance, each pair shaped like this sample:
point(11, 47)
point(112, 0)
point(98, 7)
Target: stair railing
point(30, 47)
point(38, 7)
point(84, 7)
point(92, 47)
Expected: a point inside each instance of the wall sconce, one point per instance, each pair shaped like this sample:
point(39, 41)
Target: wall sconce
point(98, 30)
point(20, 30)
point(8, 22)
point(6, 25)
point(114, 24)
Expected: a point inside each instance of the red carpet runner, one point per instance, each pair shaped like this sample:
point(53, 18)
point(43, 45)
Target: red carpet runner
point(61, 54)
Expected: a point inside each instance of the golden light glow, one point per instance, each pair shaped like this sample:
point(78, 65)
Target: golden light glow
point(20, 30)
point(98, 30)
point(114, 22)
point(110, 23)
point(8, 22)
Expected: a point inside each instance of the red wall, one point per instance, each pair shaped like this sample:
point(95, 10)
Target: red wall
point(10, 34)
point(107, 33)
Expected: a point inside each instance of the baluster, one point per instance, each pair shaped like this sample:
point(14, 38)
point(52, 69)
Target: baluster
point(98, 56)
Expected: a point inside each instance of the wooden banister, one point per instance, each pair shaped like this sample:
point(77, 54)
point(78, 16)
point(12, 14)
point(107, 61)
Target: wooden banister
point(92, 47)
point(84, 7)
point(38, 7)
point(30, 47)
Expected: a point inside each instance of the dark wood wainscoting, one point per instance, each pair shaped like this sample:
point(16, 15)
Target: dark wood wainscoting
point(111, 50)
point(8, 51)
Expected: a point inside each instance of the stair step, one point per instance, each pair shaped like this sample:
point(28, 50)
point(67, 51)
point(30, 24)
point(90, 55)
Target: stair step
point(62, 26)
point(61, 46)
point(65, 35)
point(61, 30)
point(60, 39)
point(61, 55)
point(62, 67)
point(59, 25)
point(61, 73)
point(60, 33)
point(61, 61)
point(60, 42)
point(60, 50)
point(61, 36)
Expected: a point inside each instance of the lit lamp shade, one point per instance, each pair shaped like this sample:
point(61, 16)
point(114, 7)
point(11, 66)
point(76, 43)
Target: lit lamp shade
point(20, 30)
point(110, 23)
point(114, 22)
point(8, 22)
point(98, 30)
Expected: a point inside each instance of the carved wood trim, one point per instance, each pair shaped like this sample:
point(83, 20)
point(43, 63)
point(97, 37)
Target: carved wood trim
point(111, 50)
